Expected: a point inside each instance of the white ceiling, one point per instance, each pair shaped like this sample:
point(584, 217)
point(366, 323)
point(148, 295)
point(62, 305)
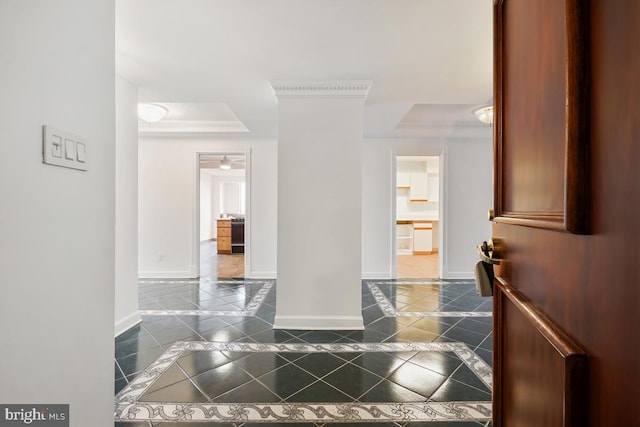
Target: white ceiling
point(430, 60)
point(211, 163)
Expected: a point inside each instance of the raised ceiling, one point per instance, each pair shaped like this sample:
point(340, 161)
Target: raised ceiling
point(430, 60)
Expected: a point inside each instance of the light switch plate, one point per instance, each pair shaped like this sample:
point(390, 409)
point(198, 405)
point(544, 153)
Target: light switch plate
point(57, 146)
point(81, 152)
point(69, 149)
point(61, 148)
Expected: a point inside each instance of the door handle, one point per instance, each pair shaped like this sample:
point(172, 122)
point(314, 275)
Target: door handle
point(484, 268)
point(485, 248)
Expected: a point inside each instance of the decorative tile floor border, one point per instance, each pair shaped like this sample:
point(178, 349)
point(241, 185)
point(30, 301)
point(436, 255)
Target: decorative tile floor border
point(249, 310)
point(390, 311)
point(206, 280)
point(423, 282)
point(310, 412)
point(127, 407)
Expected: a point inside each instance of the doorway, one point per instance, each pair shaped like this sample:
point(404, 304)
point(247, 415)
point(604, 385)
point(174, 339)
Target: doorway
point(222, 215)
point(417, 218)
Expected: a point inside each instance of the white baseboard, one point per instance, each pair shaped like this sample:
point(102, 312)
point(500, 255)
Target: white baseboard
point(261, 275)
point(319, 322)
point(128, 322)
point(274, 275)
point(166, 275)
point(462, 275)
point(376, 276)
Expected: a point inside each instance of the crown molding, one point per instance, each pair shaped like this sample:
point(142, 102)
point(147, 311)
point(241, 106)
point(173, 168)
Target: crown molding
point(192, 126)
point(321, 88)
point(476, 124)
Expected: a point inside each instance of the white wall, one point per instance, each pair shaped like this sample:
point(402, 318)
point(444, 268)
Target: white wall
point(467, 196)
point(232, 198)
point(210, 200)
point(166, 204)
point(167, 192)
point(57, 224)
point(166, 216)
point(126, 290)
point(229, 202)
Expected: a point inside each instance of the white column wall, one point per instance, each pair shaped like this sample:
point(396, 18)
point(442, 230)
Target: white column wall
point(57, 224)
point(377, 213)
point(126, 283)
point(207, 230)
point(167, 192)
point(319, 213)
point(468, 189)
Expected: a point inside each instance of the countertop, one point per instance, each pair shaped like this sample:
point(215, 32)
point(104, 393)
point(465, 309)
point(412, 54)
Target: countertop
point(418, 218)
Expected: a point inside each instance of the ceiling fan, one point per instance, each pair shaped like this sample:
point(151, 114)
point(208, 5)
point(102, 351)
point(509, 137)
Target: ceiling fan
point(222, 161)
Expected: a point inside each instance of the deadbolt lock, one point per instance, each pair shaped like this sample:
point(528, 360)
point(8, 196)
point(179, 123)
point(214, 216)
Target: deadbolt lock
point(489, 251)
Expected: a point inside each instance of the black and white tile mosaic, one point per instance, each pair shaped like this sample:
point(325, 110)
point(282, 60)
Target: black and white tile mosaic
point(390, 310)
point(423, 359)
point(248, 310)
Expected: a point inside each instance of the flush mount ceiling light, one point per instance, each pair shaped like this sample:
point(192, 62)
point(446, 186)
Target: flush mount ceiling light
point(225, 163)
point(485, 114)
point(151, 113)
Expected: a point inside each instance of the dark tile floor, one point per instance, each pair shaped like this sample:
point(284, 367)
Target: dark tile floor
point(206, 349)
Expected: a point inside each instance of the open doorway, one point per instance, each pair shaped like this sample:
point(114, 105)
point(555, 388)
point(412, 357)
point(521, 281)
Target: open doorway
point(417, 217)
point(222, 208)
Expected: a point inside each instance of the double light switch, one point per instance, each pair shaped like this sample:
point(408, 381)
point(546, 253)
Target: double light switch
point(61, 148)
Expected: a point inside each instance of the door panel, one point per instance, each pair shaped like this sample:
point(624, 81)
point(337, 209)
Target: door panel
point(547, 378)
point(533, 92)
point(541, 121)
point(569, 266)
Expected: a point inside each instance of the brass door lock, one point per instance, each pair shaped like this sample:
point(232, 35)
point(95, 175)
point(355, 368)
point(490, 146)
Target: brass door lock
point(484, 268)
point(493, 246)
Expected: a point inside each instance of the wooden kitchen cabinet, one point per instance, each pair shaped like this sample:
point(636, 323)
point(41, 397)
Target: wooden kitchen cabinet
point(224, 236)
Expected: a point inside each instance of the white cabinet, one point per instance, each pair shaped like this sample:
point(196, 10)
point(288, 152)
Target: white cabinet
point(422, 237)
point(434, 187)
point(419, 190)
point(403, 180)
point(404, 238)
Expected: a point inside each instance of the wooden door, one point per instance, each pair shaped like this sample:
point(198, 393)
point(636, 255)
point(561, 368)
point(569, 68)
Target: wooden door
point(567, 205)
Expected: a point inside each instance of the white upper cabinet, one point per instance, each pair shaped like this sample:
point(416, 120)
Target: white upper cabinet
point(434, 187)
point(403, 180)
point(419, 189)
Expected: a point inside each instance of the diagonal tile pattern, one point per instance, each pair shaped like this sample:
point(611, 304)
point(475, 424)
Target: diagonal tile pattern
point(230, 367)
point(428, 299)
point(202, 297)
